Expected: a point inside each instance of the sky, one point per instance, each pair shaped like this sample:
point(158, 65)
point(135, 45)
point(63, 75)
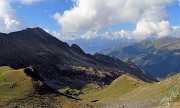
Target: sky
point(91, 19)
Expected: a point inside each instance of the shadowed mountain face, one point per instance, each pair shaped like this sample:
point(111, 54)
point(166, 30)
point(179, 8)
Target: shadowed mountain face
point(59, 64)
point(160, 57)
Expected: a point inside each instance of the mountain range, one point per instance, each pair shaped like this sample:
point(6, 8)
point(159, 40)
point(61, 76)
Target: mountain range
point(59, 64)
point(159, 57)
point(38, 70)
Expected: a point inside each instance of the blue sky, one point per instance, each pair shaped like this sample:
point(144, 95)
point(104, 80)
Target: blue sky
point(174, 13)
point(40, 14)
point(93, 18)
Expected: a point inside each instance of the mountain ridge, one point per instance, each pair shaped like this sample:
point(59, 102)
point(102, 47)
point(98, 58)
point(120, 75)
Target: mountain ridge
point(55, 60)
point(50, 73)
point(159, 57)
point(18, 88)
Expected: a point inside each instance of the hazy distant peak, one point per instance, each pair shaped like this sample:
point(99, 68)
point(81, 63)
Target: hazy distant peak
point(159, 57)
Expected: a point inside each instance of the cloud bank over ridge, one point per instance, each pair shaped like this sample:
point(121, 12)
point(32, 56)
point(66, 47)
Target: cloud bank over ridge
point(149, 16)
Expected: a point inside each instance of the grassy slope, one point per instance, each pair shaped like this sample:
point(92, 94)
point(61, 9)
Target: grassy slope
point(119, 87)
point(152, 95)
point(17, 90)
point(14, 84)
point(129, 92)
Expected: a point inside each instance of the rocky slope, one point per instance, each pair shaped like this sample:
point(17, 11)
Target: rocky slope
point(160, 57)
point(58, 64)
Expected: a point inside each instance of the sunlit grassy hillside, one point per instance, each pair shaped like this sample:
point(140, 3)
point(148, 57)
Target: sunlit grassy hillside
point(128, 92)
point(18, 90)
point(14, 84)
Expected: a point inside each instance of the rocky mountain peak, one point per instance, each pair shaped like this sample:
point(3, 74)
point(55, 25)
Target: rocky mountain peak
point(58, 64)
point(77, 48)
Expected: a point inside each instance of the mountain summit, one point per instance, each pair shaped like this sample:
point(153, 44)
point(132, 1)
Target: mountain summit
point(58, 64)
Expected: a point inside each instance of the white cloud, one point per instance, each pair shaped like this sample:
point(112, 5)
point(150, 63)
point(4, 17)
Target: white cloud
point(89, 35)
point(70, 36)
point(97, 14)
point(8, 20)
point(47, 30)
point(29, 2)
point(64, 36)
point(150, 17)
point(176, 31)
point(146, 30)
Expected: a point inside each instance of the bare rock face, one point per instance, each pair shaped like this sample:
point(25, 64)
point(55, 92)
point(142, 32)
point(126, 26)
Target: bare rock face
point(54, 61)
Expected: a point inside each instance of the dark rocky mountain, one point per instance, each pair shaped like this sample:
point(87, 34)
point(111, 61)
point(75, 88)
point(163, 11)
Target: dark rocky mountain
point(160, 58)
point(58, 64)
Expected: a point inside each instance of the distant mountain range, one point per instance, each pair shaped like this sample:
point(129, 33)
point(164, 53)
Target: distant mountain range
point(97, 44)
point(61, 65)
point(159, 57)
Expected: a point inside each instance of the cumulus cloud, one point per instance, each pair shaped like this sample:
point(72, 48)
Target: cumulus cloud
point(97, 14)
point(146, 30)
point(89, 35)
point(70, 36)
point(176, 31)
point(8, 20)
point(65, 36)
point(143, 30)
point(149, 16)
